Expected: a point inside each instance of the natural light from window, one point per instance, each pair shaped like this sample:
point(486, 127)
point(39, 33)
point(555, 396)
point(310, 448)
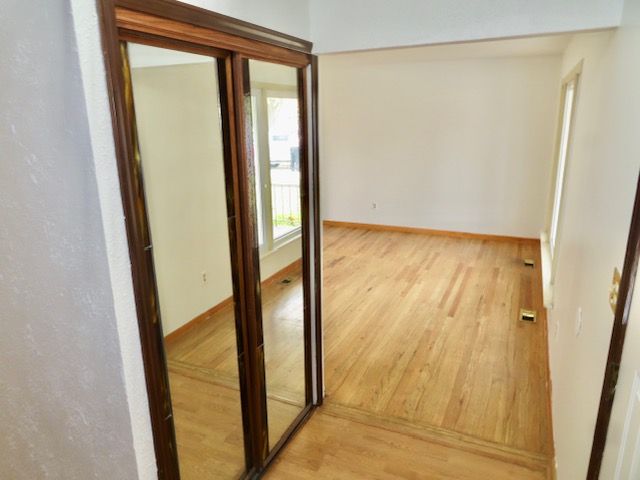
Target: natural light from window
point(561, 164)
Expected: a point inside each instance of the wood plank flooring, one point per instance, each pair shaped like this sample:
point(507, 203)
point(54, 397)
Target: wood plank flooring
point(330, 447)
point(424, 328)
point(429, 374)
point(203, 372)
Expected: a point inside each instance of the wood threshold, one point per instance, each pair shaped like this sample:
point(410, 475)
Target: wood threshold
point(427, 231)
point(531, 460)
point(196, 321)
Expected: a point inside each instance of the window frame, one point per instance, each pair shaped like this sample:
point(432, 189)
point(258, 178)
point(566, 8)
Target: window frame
point(263, 91)
point(572, 78)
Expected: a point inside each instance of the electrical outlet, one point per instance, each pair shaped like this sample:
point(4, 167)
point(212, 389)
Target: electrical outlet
point(374, 205)
point(204, 277)
point(578, 329)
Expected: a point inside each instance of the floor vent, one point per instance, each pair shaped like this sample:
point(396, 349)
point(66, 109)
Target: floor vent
point(529, 262)
point(527, 315)
point(286, 281)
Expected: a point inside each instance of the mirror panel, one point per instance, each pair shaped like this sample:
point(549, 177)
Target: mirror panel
point(275, 120)
point(180, 139)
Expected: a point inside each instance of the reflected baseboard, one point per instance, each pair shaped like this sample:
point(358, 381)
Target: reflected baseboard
point(209, 375)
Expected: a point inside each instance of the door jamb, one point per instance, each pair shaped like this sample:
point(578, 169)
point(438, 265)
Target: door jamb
point(616, 346)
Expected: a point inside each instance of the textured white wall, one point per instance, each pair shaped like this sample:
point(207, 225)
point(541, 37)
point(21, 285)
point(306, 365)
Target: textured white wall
point(286, 16)
point(64, 408)
point(338, 26)
point(602, 172)
point(289, 16)
point(462, 144)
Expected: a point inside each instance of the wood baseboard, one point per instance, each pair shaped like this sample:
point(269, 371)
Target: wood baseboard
point(276, 277)
point(284, 272)
point(171, 337)
point(427, 231)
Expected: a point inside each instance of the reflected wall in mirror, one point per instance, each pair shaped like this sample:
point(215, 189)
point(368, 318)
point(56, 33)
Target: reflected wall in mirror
point(178, 119)
point(275, 117)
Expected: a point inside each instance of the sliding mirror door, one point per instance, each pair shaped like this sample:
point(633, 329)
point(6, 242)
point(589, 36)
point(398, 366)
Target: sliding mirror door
point(275, 154)
point(189, 210)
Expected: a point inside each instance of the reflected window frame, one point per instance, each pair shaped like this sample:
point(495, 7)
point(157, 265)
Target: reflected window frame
point(260, 93)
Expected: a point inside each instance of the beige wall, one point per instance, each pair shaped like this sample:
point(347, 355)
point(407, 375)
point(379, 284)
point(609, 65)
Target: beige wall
point(177, 111)
point(454, 138)
point(601, 179)
point(184, 181)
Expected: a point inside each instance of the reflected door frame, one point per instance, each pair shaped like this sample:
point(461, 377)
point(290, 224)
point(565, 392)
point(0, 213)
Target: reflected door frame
point(173, 25)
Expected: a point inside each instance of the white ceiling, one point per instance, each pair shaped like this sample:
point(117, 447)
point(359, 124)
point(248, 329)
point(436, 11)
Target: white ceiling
point(520, 47)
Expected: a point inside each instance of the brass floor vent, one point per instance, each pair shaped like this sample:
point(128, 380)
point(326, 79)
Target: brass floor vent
point(529, 262)
point(527, 315)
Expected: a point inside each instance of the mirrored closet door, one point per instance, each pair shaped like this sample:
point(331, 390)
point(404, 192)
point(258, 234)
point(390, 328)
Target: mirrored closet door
point(179, 132)
point(275, 154)
point(213, 137)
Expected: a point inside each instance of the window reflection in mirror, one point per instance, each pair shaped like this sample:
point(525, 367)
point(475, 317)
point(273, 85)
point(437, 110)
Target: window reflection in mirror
point(276, 136)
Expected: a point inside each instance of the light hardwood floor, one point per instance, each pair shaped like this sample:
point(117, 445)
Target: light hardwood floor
point(424, 329)
point(203, 374)
point(331, 447)
point(429, 374)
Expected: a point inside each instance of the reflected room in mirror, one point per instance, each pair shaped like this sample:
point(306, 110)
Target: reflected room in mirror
point(275, 120)
point(178, 121)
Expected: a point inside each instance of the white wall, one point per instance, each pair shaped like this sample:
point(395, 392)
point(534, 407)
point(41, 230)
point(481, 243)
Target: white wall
point(64, 408)
point(338, 26)
point(601, 180)
point(177, 113)
point(289, 16)
point(445, 138)
point(178, 118)
point(286, 16)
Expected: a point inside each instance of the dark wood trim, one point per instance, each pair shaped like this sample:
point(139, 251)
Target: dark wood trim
point(233, 179)
point(172, 43)
point(307, 231)
point(317, 231)
point(166, 26)
point(200, 17)
point(616, 346)
point(142, 270)
point(251, 265)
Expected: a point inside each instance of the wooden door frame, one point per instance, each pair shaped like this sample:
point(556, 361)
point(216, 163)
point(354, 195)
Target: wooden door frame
point(616, 346)
point(184, 27)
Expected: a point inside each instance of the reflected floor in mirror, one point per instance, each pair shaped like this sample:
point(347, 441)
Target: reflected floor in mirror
point(204, 380)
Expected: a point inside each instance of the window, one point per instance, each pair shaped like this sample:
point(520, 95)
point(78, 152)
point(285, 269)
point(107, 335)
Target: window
point(568, 98)
point(276, 138)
